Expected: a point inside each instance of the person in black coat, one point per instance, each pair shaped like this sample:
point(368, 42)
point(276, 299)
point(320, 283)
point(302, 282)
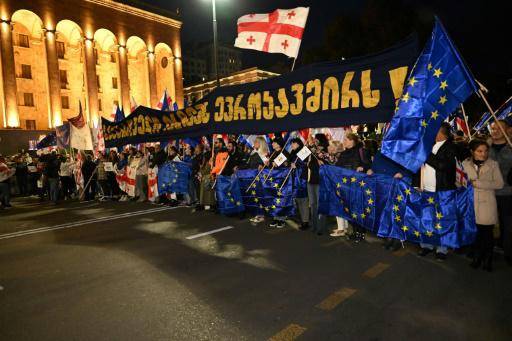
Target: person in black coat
point(438, 174)
point(90, 178)
point(234, 161)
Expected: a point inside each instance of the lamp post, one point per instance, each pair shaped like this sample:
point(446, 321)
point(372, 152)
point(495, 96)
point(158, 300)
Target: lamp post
point(215, 58)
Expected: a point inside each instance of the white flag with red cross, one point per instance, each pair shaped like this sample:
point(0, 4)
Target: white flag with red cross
point(277, 32)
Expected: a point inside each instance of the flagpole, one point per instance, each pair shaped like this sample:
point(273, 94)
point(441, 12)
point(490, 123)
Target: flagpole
point(489, 118)
point(466, 120)
point(293, 65)
point(495, 118)
point(257, 175)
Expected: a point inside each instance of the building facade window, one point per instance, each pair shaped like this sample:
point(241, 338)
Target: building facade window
point(114, 82)
point(65, 102)
point(96, 60)
point(30, 124)
point(98, 81)
point(28, 99)
point(26, 71)
point(61, 49)
point(100, 107)
point(63, 75)
point(112, 57)
point(23, 40)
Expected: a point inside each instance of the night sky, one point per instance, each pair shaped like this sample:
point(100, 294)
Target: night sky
point(481, 30)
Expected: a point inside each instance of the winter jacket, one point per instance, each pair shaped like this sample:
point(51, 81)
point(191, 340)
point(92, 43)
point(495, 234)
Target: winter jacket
point(504, 158)
point(486, 180)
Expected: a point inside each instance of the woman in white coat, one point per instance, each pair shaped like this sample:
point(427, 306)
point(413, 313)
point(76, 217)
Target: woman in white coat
point(485, 176)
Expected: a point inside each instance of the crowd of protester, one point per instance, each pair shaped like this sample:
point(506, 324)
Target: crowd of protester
point(486, 159)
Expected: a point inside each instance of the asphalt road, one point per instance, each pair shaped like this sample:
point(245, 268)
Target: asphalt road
point(129, 271)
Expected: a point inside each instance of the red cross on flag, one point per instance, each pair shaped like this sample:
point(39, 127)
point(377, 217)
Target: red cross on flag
point(276, 32)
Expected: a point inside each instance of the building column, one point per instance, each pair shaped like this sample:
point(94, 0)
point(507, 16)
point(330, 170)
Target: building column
point(123, 78)
point(91, 83)
point(178, 80)
point(11, 116)
point(52, 63)
point(153, 96)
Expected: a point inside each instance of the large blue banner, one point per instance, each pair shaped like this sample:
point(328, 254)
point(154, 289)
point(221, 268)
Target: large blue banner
point(173, 177)
point(330, 94)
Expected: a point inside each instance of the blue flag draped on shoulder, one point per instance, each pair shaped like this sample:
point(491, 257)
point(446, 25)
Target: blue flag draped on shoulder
point(173, 177)
point(438, 84)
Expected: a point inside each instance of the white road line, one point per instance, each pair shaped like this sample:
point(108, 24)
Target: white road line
point(210, 232)
point(83, 222)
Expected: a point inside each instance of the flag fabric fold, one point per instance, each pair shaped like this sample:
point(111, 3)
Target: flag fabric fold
point(438, 84)
point(173, 177)
point(229, 196)
point(80, 133)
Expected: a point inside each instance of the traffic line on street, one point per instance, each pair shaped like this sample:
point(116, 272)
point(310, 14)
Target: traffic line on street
point(210, 232)
point(291, 332)
point(333, 300)
point(376, 270)
point(83, 222)
point(401, 252)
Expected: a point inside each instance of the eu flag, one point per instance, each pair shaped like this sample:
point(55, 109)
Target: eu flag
point(173, 177)
point(439, 82)
point(483, 121)
point(229, 197)
point(119, 115)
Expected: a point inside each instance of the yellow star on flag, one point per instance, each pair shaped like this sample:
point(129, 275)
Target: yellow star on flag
point(278, 201)
point(362, 183)
point(429, 66)
point(338, 193)
point(408, 191)
point(398, 218)
point(438, 226)
point(368, 210)
point(363, 215)
point(229, 193)
point(439, 215)
point(271, 179)
point(353, 179)
point(232, 200)
point(238, 203)
point(370, 201)
point(399, 198)
point(405, 228)
point(430, 200)
point(438, 72)
point(442, 100)
point(395, 208)
point(273, 207)
point(256, 200)
point(253, 185)
point(434, 114)
point(279, 193)
point(368, 192)
point(253, 192)
point(429, 233)
point(412, 81)
point(344, 180)
point(444, 85)
point(354, 215)
point(416, 233)
point(276, 185)
point(424, 123)
point(405, 97)
point(261, 206)
point(338, 185)
point(267, 209)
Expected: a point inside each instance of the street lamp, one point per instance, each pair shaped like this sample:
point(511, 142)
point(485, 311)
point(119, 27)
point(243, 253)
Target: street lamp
point(215, 59)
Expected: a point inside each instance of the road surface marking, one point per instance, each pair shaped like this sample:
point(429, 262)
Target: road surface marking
point(210, 232)
point(291, 332)
point(333, 300)
point(83, 222)
point(376, 270)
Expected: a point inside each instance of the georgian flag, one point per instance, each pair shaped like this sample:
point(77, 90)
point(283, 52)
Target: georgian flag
point(165, 103)
point(277, 32)
point(133, 104)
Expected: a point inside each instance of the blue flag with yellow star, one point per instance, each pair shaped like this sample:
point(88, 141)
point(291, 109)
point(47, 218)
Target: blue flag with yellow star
point(352, 195)
point(229, 196)
point(444, 218)
point(173, 177)
point(251, 190)
point(439, 82)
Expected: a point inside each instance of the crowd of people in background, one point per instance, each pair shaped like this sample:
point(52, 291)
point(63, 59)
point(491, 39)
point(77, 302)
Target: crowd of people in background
point(486, 159)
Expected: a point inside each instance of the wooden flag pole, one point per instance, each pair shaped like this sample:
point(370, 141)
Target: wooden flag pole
point(293, 65)
point(287, 175)
point(257, 175)
point(466, 120)
point(489, 118)
point(221, 170)
point(495, 118)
